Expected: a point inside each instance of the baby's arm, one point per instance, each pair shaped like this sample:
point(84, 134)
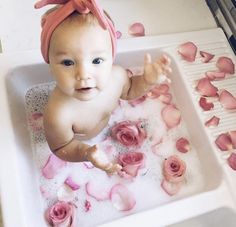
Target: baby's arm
point(137, 86)
point(60, 138)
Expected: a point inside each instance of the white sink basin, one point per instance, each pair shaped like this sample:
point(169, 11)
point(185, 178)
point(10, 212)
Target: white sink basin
point(20, 195)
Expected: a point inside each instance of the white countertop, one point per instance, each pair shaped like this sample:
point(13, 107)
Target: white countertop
point(20, 29)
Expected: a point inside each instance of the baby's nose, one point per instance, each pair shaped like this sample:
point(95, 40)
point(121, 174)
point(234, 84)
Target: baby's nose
point(82, 73)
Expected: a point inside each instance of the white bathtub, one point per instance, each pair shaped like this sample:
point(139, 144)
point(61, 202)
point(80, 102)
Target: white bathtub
point(20, 196)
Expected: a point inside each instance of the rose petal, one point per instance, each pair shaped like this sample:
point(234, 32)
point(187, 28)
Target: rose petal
point(170, 188)
point(227, 100)
point(225, 64)
point(213, 75)
point(87, 205)
point(171, 116)
point(205, 104)
point(232, 161)
point(157, 91)
point(165, 98)
point(118, 34)
point(206, 57)
point(121, 198)
point(188, 51)
point(214, 121)
point(206, 88)
point(131, 162)
point(137, 29)
point(69, 182)
point(97, 191)
point(182, 145)
point(223, 142)
point(232, 135)
point(137, 101)
point(52, 166)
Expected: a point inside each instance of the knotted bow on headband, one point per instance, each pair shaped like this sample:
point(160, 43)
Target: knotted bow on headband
point(53, 19)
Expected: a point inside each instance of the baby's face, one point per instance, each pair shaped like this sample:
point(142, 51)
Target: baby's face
point(81, 59)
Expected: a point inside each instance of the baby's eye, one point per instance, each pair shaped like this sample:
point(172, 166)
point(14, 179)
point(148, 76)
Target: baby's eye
point(97, 61)
point(67, 62)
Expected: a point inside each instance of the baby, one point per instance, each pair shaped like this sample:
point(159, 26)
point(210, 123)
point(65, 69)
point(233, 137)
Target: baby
point(79, 43)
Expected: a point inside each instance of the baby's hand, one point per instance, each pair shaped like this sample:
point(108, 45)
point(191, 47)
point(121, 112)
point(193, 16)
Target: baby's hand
point(153, 71)
point(99, 159)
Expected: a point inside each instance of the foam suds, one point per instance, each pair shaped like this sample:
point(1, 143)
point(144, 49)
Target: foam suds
point(145, 187)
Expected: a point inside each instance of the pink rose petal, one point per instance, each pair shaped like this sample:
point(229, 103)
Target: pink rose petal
point(121, 198)
point(227, 100)
point(182, 145)
point(96, 191)
point(52, 166)
point(88, 165)
point(232, 135)
point(170, 188)
point(69, 182)
point(206, 57)
point(213, 75)
point(131, 162)
point(225, 64)
point(137, 101)
point(214, 121)
point(206, 88)
point(188, 51)
point(171, 116)
point(87, 205)
point(205, 104)
point(232, 161)
point(137, 29)
point(118, 34)
point(165, 98)
point(158, 90)
point(223, 142)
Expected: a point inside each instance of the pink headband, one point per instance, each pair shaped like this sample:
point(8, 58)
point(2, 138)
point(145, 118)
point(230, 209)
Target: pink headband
point(53, 19)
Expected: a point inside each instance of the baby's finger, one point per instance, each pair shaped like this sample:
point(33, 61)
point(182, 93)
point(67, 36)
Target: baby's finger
point(147, 59)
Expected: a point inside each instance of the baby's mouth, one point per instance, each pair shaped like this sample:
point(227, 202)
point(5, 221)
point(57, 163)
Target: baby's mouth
point(84, 89)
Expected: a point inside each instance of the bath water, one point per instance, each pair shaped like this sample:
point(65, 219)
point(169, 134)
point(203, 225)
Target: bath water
point(146, 187)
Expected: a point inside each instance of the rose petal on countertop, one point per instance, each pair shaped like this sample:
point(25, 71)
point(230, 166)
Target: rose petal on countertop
point(97, 191)
point(170, 188)
point(206, 57)
point(205, 104)
point(223, 142)
point(232, 161)
point(87, 205)
point(206, 88)
point(122, 199)
point(225, 64)
point(171, 116)
point(182, 145)
point(188, 51)
point(213, 121)
point(137, 29)
point(70, 183)
point(52, 166)
point(232, 135)
point(118, 34)
point(214, 75)
point(227, 100)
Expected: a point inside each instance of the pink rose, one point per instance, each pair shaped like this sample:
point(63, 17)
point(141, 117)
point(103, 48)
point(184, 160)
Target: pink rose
point(129, 133)
point(61, 214)
point(131, 162)
point(174, 169)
